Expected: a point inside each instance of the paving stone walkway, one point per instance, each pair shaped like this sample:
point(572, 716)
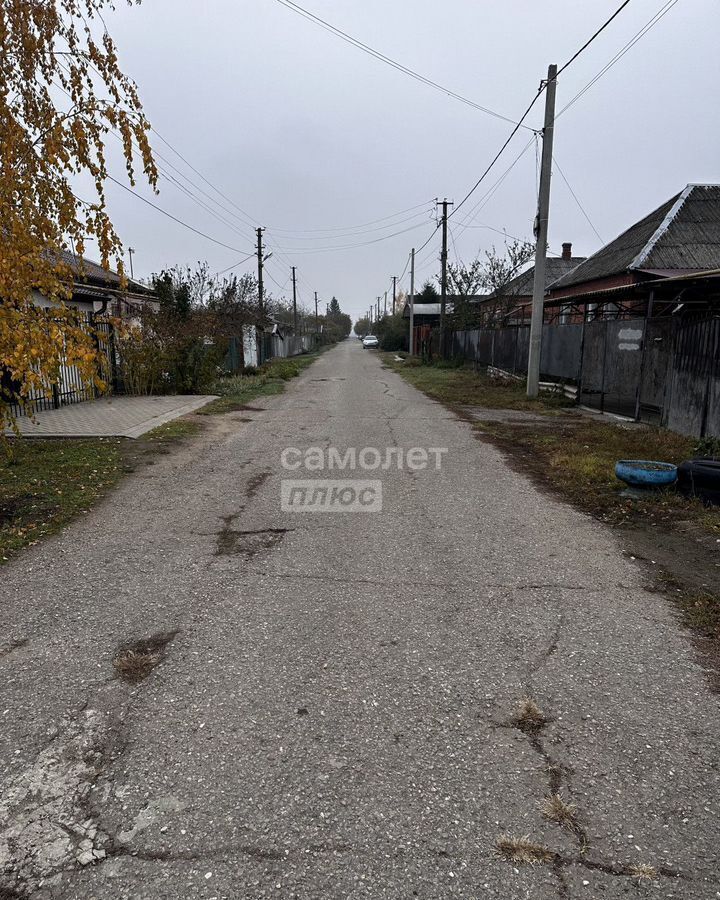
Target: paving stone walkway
point(110, 416)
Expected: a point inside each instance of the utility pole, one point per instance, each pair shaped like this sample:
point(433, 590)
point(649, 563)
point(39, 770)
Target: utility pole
point(130, 254)
point(260, 269)
point(394, 279)
point(377, 317)
point(317, 321)
point(385, 307)
point(443, 278)
point(411, 345)
point(541, 238)
point(294, 300)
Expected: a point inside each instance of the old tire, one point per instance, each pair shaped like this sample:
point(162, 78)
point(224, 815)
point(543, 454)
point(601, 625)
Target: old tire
point(700, 478)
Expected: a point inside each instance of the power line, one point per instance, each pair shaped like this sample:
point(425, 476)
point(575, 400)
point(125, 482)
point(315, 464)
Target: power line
point(588, 42)
point(170, 178)
point(350, 228)
point(619, 55)
point(388, 60)
point(519, 124)
point(235, 265)
point(387, 237)
point(353, 234)
point(170, 216)
point(500, 151)
point(575, 198)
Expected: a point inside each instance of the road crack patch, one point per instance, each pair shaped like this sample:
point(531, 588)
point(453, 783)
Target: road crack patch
point(134, 661)
point(45, 824)
point(231, 542)
point(531, 721)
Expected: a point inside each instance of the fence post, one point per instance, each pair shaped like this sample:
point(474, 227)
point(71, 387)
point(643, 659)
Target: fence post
point(712, 366)
point(638, 392)
point(606, 323)
point(582, 357)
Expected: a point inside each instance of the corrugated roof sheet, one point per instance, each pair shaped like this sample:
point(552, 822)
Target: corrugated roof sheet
point(555, 267)
point(682, 234)
point(88, 272)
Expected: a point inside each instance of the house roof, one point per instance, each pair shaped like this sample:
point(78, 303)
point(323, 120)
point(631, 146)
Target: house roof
point(85, 271)
point(555, 267)
point(682, 234)
point(426, 309)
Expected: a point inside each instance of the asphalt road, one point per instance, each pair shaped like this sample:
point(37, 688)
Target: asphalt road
point(335, 716)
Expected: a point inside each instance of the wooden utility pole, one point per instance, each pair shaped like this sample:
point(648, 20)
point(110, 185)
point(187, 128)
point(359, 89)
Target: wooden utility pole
point(443, 279)
point(541, 238)
point(394, 279)
point(411, 345)
point(377, 316)
point(317, 321)
point(294, 300)
point(260, 270)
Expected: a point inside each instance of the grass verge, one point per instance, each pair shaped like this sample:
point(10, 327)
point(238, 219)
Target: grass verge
point(237, 391)
point(463, 386)
point(46, 483)
point(576, 458)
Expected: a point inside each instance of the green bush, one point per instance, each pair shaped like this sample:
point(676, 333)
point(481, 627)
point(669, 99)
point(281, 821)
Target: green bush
point(285, 369)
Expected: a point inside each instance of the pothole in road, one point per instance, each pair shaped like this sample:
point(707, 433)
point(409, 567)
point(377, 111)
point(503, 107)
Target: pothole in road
point(247, 543)
point(133, 662)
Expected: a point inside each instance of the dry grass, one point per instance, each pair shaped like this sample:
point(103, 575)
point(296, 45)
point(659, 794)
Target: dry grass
point(134, 662)
point(557, 810)
point(643, 872)
point(522, 850)
point(463, 386)
point(529, 717)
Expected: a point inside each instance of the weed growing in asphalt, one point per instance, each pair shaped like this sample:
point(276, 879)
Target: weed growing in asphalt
point(557, 810)
point(522, 851)
point(529, 718)
point(642, 872)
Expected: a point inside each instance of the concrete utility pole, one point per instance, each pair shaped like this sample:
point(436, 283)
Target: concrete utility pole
point(394, 278)
point(541, 238)
point(294, 301)
point(443, 278)
point(317, 321)
point(130, 254)
point(385, 307)
point(260, 269)
point(377, 317)
point(411, 345)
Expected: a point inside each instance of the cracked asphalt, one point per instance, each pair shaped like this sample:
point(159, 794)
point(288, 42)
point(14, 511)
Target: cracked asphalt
point(336, 716)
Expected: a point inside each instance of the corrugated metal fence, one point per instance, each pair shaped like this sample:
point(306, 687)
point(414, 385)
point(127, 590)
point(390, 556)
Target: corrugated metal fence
point(664, 371)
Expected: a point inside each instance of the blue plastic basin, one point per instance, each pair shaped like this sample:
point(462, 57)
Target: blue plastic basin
point(646, 472)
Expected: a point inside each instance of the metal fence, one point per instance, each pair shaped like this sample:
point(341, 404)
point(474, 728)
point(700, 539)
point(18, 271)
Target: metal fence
point(71, 385)
point(664, 371)
point(258, 347)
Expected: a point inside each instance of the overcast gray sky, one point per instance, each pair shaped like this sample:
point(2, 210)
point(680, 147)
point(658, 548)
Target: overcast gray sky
point(304, 132)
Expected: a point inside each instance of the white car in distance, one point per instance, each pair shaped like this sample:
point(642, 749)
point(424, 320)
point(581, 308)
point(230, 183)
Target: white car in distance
point(370, 342)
